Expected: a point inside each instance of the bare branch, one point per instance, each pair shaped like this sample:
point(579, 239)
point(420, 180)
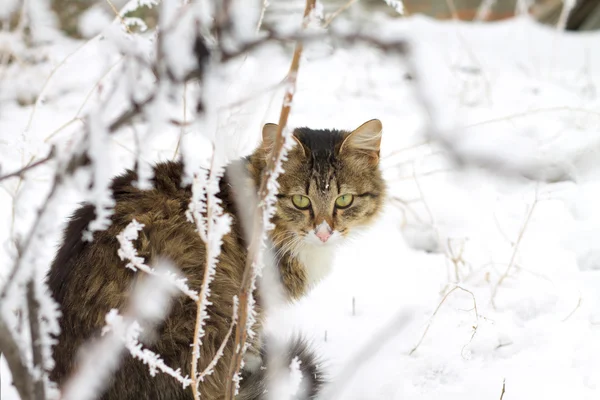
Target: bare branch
point(515, 248)
point(28, 167)
point(438, 308)
point(254, 251)
point(21, 376)
point(573, 311)
point(33, 306)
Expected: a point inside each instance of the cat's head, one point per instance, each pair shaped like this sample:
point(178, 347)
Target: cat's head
point(332, 184)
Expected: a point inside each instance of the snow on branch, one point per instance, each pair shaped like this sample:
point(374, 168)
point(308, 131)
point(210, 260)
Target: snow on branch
point(129, 334)
point(267, 198)
point(148, 306)
point(127, 251)
point(397, 5)
point(212, 224)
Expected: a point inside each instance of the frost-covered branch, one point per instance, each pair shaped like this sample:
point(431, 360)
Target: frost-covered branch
point(212, 225)
point(262, 221)
point(397, 5)
point(210, 367)
point(127, 251)
point(149, 304)
point(128, 333)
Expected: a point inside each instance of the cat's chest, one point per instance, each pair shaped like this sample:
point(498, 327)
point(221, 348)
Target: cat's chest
point(317, 262)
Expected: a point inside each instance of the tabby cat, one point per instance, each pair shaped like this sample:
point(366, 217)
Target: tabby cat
point(331, 186)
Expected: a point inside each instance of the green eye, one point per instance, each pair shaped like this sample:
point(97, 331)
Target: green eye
point(301, 202)
point(344, 201)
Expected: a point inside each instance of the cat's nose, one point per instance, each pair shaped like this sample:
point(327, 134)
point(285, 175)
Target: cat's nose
point(323, 231)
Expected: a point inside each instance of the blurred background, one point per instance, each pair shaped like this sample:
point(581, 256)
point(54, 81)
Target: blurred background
point(585, 16)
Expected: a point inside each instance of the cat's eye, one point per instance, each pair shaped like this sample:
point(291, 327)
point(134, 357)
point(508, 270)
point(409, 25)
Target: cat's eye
point(301, 202)
point(344, 201)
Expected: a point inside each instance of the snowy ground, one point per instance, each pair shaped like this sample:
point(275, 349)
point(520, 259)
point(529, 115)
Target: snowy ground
point(513, 90)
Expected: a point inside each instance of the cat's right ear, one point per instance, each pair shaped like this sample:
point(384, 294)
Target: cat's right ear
point(269, 134)
point(365, 139)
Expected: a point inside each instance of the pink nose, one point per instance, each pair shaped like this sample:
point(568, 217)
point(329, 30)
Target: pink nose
point(323, 232)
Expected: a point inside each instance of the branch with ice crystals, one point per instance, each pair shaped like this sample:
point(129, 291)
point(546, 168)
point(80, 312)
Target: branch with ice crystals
point(212, 225)
point(267, 193)
point(127, 251)
point(397, 5)
point(148, 305)
point(133, 5)
point(100, 194)
point(210, 367)
point(129, 334)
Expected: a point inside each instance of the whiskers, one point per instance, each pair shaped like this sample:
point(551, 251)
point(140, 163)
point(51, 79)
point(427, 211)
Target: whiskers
point(288, 243)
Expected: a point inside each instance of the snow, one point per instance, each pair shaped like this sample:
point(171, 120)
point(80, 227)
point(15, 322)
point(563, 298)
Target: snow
point(512, 100)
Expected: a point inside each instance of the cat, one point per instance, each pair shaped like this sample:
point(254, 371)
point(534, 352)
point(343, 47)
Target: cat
point(331, 186)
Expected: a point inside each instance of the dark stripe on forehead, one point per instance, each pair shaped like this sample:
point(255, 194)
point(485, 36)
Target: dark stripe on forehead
point(321, 146)
point(320, 142)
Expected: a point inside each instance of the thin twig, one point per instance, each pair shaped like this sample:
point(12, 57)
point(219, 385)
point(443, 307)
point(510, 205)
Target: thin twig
point(33, 307)
point(503, 388)
point(9, 348)
point(530, 112)
point(337, 12)
point(515, 248)
point(254, 251)
point(573, 311)
point(22, 171)
point(263, 10)
point(438, 308)
point(118, 15)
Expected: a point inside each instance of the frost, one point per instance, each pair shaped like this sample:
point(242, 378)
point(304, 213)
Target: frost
point(129, 334)
point(127, 251)
point(397, 5)
point(212, 224)
point(100, 194)
point(100, 358)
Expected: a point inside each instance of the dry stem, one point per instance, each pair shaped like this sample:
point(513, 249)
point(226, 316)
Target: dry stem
point(515, 249)
point(573, 311)
point(436, 311)
point(241, 331)
point(205, 283)
point(22, 380)
point(337, 12)
point(20, 172)
point(33, 306)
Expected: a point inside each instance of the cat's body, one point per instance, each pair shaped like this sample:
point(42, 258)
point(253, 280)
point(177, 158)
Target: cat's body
point(88, 279)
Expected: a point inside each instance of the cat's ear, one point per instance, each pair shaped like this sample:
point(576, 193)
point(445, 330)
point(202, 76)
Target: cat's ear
point(269, 133)
point(365, 139)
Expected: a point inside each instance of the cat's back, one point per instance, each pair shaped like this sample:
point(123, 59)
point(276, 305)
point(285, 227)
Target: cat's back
point(79, 258)
point(88, 279)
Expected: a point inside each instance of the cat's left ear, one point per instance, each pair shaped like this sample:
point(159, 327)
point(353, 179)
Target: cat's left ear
point(365, 139)
point(269, 134)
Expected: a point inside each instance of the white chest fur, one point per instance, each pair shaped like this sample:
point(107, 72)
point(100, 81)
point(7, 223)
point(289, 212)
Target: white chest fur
point(317, 261)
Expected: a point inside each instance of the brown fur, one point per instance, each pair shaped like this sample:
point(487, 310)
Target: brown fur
point(88, 279)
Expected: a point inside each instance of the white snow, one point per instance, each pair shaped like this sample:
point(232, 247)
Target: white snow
point(514, 100)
